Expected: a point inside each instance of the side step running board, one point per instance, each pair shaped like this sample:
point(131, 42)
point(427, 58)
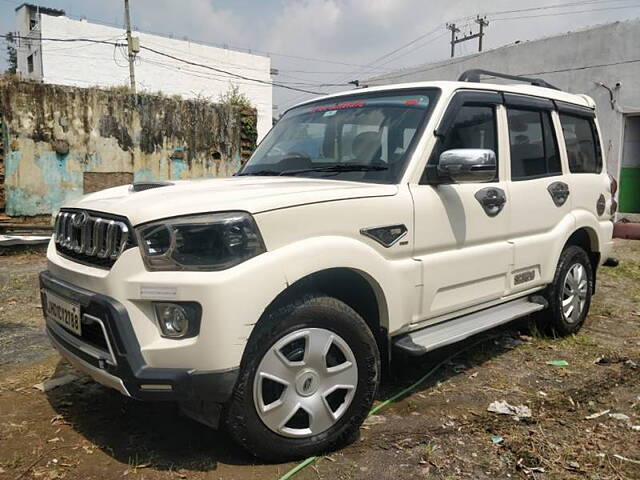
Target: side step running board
point(457, 329)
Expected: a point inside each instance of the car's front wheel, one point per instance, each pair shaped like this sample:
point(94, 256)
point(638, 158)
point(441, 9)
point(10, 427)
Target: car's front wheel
point(307, 382)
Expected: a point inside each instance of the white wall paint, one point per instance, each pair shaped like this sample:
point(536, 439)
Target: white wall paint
point(85, 65)
point(576, 62)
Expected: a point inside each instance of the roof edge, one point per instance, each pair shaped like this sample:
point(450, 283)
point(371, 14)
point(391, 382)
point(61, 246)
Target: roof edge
point(54, 12)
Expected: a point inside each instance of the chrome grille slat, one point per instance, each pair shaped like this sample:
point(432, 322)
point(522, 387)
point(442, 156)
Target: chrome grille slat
point(97, 239)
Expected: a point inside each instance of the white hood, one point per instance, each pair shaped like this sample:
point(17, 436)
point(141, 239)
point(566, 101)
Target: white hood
point(251, 194)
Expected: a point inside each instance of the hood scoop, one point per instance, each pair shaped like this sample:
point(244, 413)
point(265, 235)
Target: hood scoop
point(142, 186)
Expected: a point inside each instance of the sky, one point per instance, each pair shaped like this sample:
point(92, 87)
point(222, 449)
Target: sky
point(321, 45)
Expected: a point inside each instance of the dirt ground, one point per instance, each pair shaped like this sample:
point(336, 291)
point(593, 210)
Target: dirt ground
point(440, 431)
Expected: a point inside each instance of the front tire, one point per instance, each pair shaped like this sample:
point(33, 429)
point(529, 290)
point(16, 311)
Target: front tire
point(570, 293)
point(308, 379)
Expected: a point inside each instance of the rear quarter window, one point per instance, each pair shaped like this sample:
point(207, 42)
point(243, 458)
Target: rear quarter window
point(583, 145)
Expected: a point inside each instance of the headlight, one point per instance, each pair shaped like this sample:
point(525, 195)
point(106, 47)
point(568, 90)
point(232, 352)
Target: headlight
point(201, 242)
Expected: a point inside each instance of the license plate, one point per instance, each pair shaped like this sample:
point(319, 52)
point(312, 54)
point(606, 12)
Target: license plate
point(63, 312)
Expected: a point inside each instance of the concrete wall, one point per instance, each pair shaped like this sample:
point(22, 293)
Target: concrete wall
point(61, 142)
point(89, 65)
point(576, 62)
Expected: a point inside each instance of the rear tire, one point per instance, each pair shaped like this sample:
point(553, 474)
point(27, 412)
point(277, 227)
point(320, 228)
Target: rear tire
point(569, 295)
point(307, 381)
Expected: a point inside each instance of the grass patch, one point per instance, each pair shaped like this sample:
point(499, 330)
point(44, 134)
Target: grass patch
point(626, 270)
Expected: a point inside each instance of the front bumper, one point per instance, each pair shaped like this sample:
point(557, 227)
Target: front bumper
point(116, 361)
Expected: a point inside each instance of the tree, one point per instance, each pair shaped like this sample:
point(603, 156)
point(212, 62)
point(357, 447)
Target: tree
point(12, 56)
point(234, 97)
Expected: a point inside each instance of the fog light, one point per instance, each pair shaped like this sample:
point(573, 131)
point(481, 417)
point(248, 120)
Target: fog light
point(173, 319)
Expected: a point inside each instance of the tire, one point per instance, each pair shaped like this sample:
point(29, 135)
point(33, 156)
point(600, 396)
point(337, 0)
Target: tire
point(568, 307)
point(284, 345)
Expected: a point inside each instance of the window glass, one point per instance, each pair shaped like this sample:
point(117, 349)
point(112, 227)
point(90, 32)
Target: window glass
point(361, 138)
point(473, 127)
point(533, 146)
point(583, 148)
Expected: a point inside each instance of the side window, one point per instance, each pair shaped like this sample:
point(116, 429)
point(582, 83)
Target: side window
point(583, 148)
point(533, 146)
point(473, 127)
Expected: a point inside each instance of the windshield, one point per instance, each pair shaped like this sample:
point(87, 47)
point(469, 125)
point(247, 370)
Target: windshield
point(363, 138)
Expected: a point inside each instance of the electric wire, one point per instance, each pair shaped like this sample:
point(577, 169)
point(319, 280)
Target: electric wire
point(395, 56)
point(386, 76)
point(188, 62)
point(572, 12)
point(557, 5)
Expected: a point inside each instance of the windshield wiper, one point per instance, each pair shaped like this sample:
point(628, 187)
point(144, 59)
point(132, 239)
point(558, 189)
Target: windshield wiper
point(260, 173)
point(337, 168)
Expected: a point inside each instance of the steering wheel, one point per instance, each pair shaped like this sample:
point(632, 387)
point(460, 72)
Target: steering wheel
point(296, 154)
point(295, 160)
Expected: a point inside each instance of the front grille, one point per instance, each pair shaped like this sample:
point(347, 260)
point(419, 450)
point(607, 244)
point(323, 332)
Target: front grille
point(92, 238)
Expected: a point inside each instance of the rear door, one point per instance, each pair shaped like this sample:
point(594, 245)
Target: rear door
point(462, 244)
point(539, 189)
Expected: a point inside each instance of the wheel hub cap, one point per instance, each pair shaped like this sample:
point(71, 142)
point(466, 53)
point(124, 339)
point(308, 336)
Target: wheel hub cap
point(305, 383)
point(574, 293)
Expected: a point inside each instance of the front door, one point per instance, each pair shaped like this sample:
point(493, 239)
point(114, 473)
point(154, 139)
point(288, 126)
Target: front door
point(460, 229)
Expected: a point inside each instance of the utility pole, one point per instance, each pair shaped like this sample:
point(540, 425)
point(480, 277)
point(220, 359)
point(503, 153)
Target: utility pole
point(483, 23)
point(132, 73)
point(454, 30)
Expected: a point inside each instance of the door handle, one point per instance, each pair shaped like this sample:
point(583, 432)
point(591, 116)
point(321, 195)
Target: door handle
point(559, 192)
point(492, 200)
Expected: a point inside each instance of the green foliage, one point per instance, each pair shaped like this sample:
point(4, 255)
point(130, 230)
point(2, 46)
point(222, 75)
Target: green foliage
point(12, 55)
point(233, 96)
point(249, 131)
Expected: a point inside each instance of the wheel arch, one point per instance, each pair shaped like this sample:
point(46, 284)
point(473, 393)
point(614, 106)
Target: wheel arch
point(354, 287)
point(586, 238)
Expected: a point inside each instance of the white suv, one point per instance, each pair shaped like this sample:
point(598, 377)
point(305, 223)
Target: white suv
point(368, 223)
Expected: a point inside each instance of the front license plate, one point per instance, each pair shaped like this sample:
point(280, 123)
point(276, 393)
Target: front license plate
point(63, 312)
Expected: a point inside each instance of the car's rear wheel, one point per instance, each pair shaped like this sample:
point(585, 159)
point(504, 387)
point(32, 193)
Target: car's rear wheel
point(570, 293)
point(307, 382)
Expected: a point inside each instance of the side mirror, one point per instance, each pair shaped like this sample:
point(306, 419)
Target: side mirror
point(468, 165)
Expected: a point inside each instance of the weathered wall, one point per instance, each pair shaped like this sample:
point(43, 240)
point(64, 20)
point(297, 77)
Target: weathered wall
point(61, 142)
point(102, 65)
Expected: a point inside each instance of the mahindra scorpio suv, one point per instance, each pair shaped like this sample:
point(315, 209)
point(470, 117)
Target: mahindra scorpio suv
point(367, 224)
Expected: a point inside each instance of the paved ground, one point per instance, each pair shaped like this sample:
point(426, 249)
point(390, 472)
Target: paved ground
point(441, 431)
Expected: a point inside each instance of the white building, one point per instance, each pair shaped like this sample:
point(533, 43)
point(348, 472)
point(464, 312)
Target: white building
point(85, 64)
point(600, 61)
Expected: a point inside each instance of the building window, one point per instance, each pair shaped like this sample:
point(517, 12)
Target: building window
point(33, 21)
point(30, 63)
point(533, 145)
point(583, 146)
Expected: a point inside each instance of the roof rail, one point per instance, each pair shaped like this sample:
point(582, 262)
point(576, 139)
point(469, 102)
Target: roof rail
point(474, 76)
